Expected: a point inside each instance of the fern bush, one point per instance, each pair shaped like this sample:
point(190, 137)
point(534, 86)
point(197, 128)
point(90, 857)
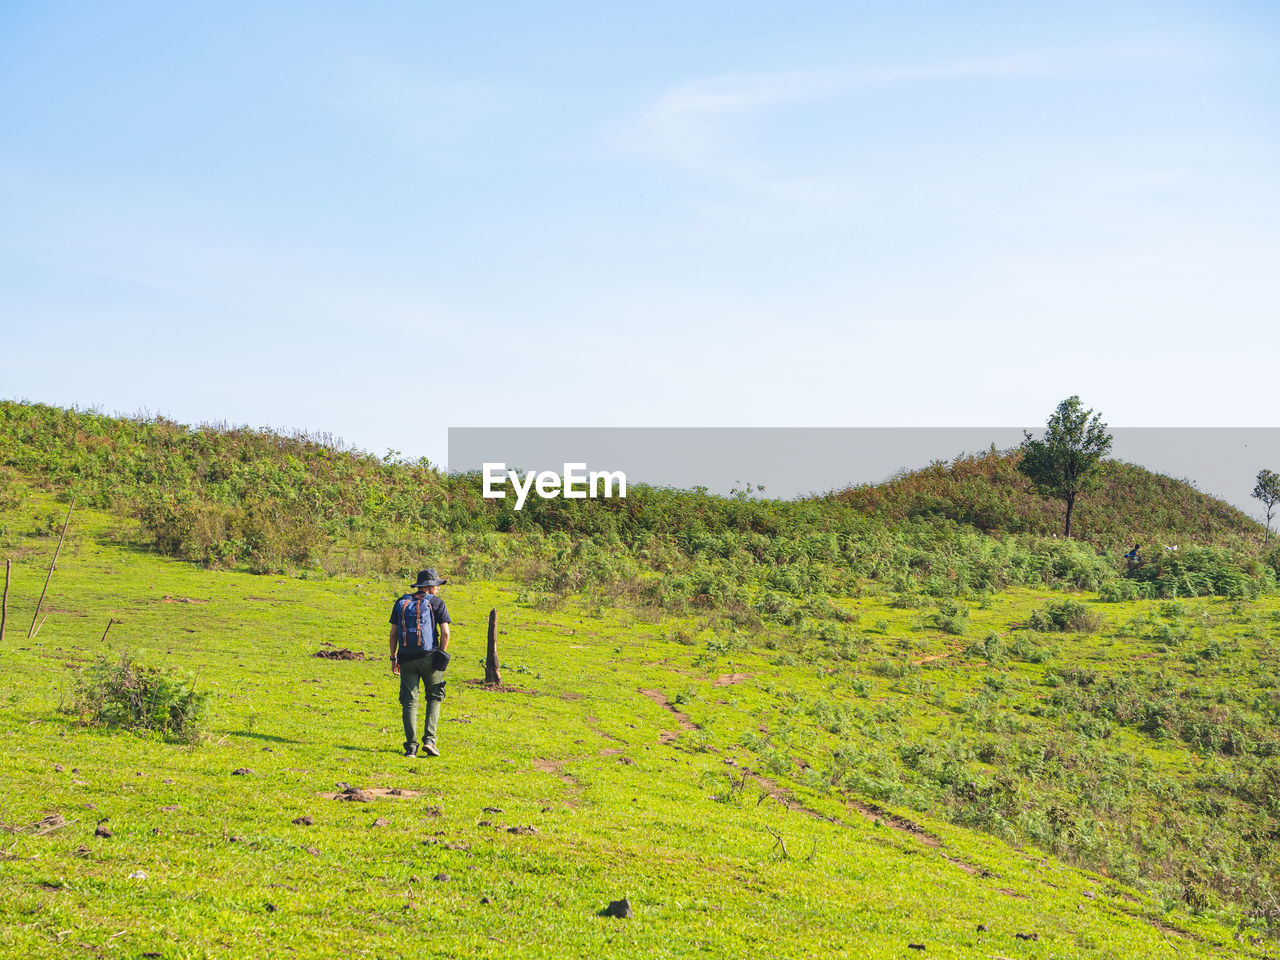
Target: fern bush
point(123, 693)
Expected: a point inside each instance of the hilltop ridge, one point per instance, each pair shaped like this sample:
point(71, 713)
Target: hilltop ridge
point(986, 491)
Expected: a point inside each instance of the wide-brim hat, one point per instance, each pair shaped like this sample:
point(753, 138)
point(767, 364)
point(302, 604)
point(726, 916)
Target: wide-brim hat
point(429, 578)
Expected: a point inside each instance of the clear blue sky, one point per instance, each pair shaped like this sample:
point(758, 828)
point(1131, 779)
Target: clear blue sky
point(383, 220)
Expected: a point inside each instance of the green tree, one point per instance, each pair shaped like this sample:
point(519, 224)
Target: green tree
point(1065, 462)
point(1267, 489)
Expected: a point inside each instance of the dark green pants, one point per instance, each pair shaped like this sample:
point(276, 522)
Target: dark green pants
point(414, 673)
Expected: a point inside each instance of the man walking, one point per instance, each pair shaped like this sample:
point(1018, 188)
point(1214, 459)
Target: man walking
point(419, 636)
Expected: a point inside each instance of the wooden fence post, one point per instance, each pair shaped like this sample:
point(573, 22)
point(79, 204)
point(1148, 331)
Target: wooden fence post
point(491, 674)
point(52, 563)
point(4, 605)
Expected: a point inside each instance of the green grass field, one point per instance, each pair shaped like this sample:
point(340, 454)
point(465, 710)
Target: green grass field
point(752, 794)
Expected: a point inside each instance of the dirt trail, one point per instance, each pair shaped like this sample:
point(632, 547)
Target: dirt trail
point(867, 810)
point(901, 824)
point(783, 796)
point(658, 697)
point(594, 727)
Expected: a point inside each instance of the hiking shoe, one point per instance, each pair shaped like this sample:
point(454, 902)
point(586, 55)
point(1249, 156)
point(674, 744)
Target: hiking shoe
point(411, 750)
point(430, 750)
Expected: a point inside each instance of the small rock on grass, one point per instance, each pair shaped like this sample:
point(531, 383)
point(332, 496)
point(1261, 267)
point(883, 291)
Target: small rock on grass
point(241, 772)
point(138, 875)
point(441, 877)
point(381, 822)
point(619, 908)
point(304, 821)
point(314, 851)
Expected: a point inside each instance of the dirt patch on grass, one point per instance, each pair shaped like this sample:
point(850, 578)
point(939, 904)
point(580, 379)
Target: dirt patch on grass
point(729, 679)
point(359, 794)
point(936, 656)
point(341, 654)
point(500, 687)
point(46, 824)
point(553, 766)
point(658, 697)
point(970, 869)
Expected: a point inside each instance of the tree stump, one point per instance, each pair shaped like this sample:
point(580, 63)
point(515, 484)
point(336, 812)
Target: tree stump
point(491, 675)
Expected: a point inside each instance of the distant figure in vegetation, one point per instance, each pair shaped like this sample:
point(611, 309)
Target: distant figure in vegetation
point(1132, 555)
point(419, 636)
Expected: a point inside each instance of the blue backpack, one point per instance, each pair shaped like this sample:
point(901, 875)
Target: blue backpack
point(416, 624)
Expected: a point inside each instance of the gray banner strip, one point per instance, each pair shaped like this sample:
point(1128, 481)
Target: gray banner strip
point(794, 461)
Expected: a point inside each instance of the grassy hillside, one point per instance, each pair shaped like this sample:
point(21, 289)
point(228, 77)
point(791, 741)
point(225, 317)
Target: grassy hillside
point(734, 708)
point(986, 491)
point(234, 498)
point(792, 790)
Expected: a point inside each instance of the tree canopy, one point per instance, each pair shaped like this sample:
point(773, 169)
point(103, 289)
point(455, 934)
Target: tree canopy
point(1064, 463)
point(1267, 489)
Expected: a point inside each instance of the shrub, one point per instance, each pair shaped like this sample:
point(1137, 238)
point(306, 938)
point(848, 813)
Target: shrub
point(1117, 591)
point(1206, 571)
point(951, 617)
point(990, 648)
point(1027, 650)
point(126, 694)
point(1065, 616)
